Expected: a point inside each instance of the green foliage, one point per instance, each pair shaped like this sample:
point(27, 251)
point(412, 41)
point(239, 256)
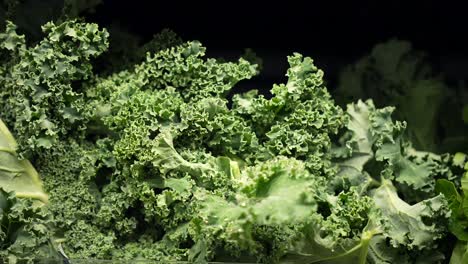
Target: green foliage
point(17, 175)
point(25, 232)
point(458, 202)
point(395, 74)
point(151, 161)
point(41, 103)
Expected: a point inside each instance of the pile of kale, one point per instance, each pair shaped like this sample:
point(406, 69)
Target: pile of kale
point(157, 161)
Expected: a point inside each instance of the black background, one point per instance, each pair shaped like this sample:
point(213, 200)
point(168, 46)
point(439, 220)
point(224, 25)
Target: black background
point(334, 33)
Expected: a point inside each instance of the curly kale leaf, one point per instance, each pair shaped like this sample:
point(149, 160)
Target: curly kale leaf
point(395, 74)
point(282, 196)
point(375, 147)
point(375, 158)
point(298, 120)
point(42, 98)
point(25, 230)
point(413, 226)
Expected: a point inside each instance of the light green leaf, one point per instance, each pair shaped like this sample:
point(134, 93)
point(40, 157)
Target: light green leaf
point(414, 226)
point(17, 175)
point(460, 253)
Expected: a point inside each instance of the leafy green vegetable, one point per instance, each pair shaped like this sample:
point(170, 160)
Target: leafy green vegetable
point(16, 175)
point(412, 226)
point(396, 74)
point(151, 160)
point(41, 105)
point(458, 202)
point(24, 221)
point(24, 230)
